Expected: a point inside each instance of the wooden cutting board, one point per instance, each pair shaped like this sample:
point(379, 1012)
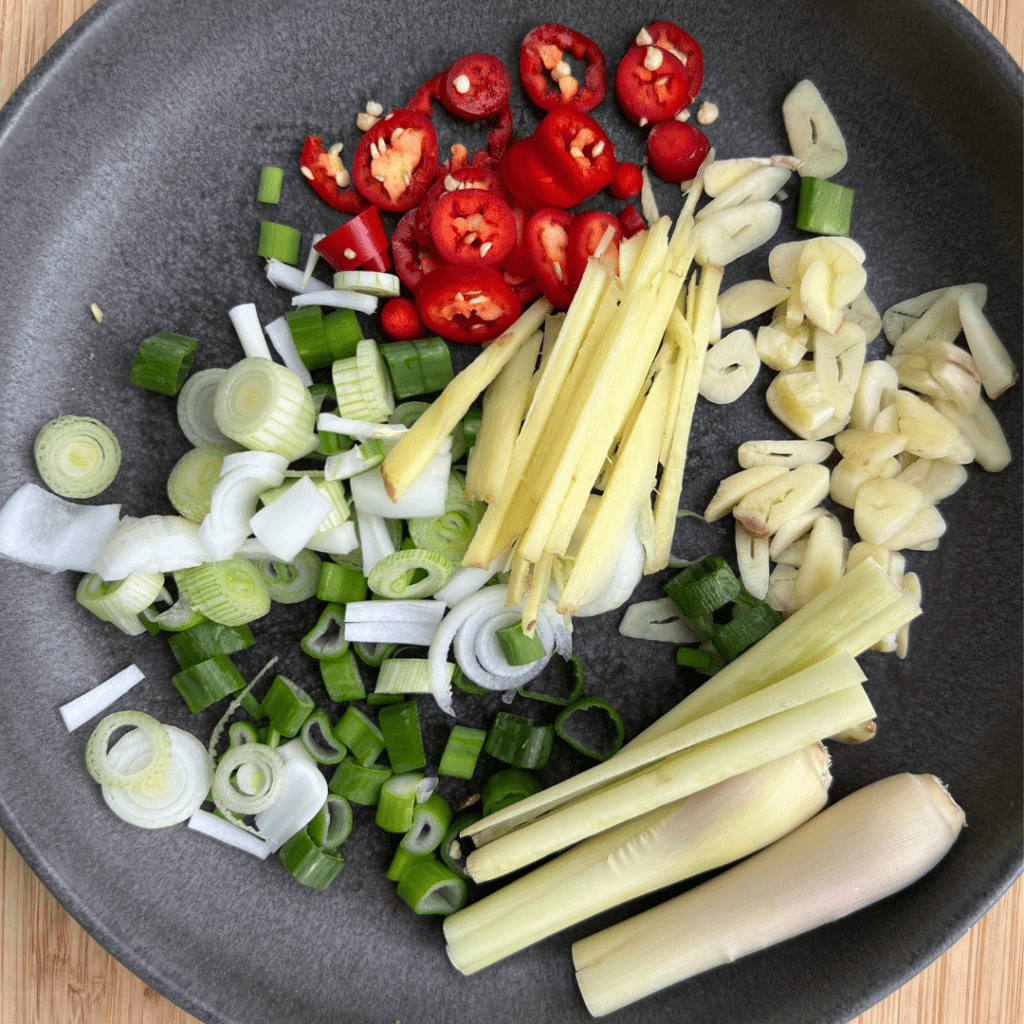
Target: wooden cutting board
point(52, 972)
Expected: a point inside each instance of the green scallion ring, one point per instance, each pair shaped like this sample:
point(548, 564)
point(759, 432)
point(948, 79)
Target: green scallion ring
point(327, 638)
point(587, 704)
point(450, 533)
point(120, 601)
point(308, 863)
point(97, 762)
point(195, 475)
point(394, 575)
point(291, 582)
point(231, 592)
point(452, 850)
point(360, 735)
point(325, 749)
point(162, 362)
point(262, 765)
point(431, 887)
point(507, 787)
point(77, 456)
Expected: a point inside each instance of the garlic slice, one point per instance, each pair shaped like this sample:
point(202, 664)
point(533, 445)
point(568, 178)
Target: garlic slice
point(730, 367)
point(822, 563)
point(733, 488)
point(735, 231)
point(982, 431)
point(759, 185)
point(934, 478)
point(993, 362)
point(876, 378)
point(930, 434)
point(781, 346)
point(883, 507)
point(749, 299)
point(848, 476)
point(814, 136)
point(752, 561)
point(763, 510)
point(782, 453)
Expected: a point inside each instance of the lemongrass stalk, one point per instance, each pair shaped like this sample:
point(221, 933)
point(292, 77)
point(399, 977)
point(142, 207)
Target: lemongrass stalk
point(699, 833)
point(503, 409)
point(416, 447)
point(671, 779)
point(854, 613)
point(864, 848)
point(836, 673)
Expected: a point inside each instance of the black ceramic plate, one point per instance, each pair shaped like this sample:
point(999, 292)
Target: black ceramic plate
point(128, 164)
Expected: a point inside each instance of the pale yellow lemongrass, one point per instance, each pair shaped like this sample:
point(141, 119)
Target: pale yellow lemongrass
point(829, 676)
point(631, 479)
point(854, 613)
point(418, 445)
point(862, 849)
point(702, 832)
point(670, 487)
point(680, 338)
point(672, 779)
point(504, 405)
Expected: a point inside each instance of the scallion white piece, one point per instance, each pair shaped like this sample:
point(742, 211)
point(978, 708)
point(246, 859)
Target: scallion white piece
point(151, 544)
point(374, 539)
point(370, 282)
point(360, 429)
point(282, 275)
point(233, 504)
point(425, 496)
point(425, 612)
point(303, 792)
point(285, 525)
point(337, 299)
point(78, 711)
point(246, 322)
point(338, 541)
point(221, 829)
point(280, 335)
point(195, 408)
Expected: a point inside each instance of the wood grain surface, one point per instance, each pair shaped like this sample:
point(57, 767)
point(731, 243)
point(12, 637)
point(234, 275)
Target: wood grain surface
point(52, 972)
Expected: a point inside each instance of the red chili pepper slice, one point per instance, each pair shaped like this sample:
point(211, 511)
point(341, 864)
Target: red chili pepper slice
point(322, 169)
point(399, 320)
point(524, 289)
point(517, 263)
point(413, 261)
point(476, 86)
point(543, 52)
point(576, 150)
point(500, 136)
point(422, 101)
point(361, 242)
point(395, 160)
point(676, 149)
point(628, 181)
point(683, 46)
point(632, 222)
point(651, 85)
point(547, 241)
point(585, 234)
point(472, 225)
point(466, 303)
point(469, 176)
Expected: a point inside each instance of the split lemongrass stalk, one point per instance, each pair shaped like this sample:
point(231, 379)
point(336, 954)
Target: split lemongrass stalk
point(702, 832)
point(857, 611)
point(864, 848)
point(418, 445)
point(829, 676)
point(671, 779)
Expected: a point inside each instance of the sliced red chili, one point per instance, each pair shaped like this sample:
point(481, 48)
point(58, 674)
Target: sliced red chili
point(676, 149)
point(469, 176)
point(472, 225)
point(476, 86)
point(413, 261)
point(576, 150)
point(500, 136)
point(400, 321)
point(628, 181)
point(547, 241)
point(422, 101)
point(466, 303)
point(682, 45)
point(395, 160)
point(532, 182)
point(632, 222)
point(651, 85)
point(360, 242)
point(586, 233)
point(323, 169)
point(542, 57)
point(524, 289)
point(517, 263)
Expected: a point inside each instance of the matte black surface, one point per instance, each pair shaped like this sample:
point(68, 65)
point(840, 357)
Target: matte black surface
point(128, 168)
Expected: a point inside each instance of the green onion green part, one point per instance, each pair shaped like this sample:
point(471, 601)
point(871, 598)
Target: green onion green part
point(77, 456)
point(403, 860)
point(231, 592)
point(308, 863)
point(518, 648)
point(340, 584)
point(398, 802)
point(318, 739)
point(825, 207)
point(738, 634)
point(241, 732)
point(338, 812)
point(207, 640)
point(507, 787)
point(359, 783)
point(451, 849)
point(162, 362)
point(341, 678)
point(120, 601)
point(372, 654)
point(418, 367)
point(518, 741)
point(271, 180)
point(580, 708)
point(279, 242)
point(432, 888)
point(287, 705)
point(694, 657)
point(430, 820)
point(471, 426)
point(576, 667)
point(462, 751)
point(400, 726)
point(360, 735)
point(408, 413)
point(207, 682)
point(290, 582)
point(449, 534)
point(703, 587)
point(327, 638)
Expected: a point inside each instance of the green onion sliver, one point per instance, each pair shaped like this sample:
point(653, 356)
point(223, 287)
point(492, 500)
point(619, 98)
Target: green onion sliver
point(406, 675)
point(77, 456)
point(359, 734)
point(255, 766)
point(369, 282)
point(518, 648)
point(120, 601)
point(279, 242)
point(581, 707)
point(418, 367)
point(308, 863)
point(449, 534)
point(207, 682)
point(362, 384)
point(694, 657)
point(471, 426)
point(318, 739)
point(266, 407)
point(196, 402)
point(162, 362)
point(327, 638)
point(576, 667)
point(291, 582)
point(287, 705)
point(359, 783)
point(97, 761)
point(398, 802)
point(405, 859)
point(518, 741)
point(372, 654)
point(400, 726)
point(507, 787)
point(703, 587)
point(431, 887)
point(341, 677)
point(410, 574)
point(195, 475)
point(462, 751)
point(338, 812)
point(343, 334)
point(340, 584)
point(430, 820)
point(408, 413)
point(231, 592)
point(825, 208)
point(179, 616)
point(452, 851)
point(241, 732)
point(746, 629)
point(271, 180)
point(207, 640)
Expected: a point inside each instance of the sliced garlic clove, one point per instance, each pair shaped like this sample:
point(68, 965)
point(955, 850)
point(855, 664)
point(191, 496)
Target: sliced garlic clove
point(765, 509)
point(752, 561)
point(934, 478)
point(782, 453)
point(814, 136)
point(930, 434)
point(869, 445)
point(759, 185)
point(783, 263)
point(848, 477)
point(793, 554)
point(723, 174)
point(995, 367)
point(982, 431)
point(883, 507)
point(749, 299)
point(792, 530)
point(780, 590)
point(838, 362)
point(848, 274)
point(822, 563)
point(876, 378)
point(941, 321)
point(779, 346)
point(733, 232)
point(862, 312)
point(940, 369)
point(729, 368)
point(733, 488)
point(901, 315)
point(798, 400)
point(816, 297)
point(922, 533)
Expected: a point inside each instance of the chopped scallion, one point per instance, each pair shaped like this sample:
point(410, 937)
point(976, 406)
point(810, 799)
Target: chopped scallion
point(418, 367)
point(207, 682)
point(508, 787)
point(308, 863)
point(432, 888)
point(398, 802)
point(325, 747)
point(578, 709)
point(461, 752)
point(231, 592)
point(279, 242)
point(703, 587)
point(287, 705)
point(518, 648)
point(340, 584)
point(518, 741)
point(162, 362)
point(207, 640)
point(77, 456)
point(359, 783)
point(271, 180)
point(825, 207)
point(342, 678)
point(360, 735)
point(327, 638)
point(738, 634)
point(400, 726)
